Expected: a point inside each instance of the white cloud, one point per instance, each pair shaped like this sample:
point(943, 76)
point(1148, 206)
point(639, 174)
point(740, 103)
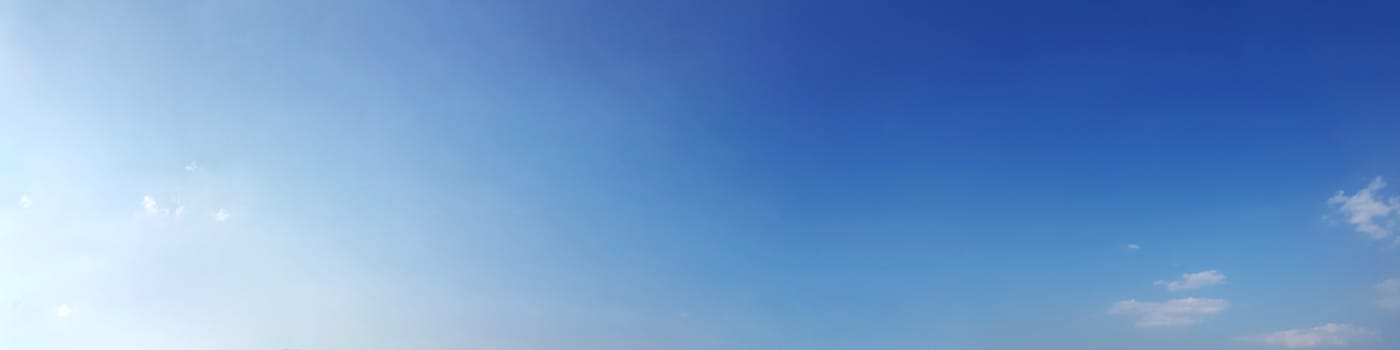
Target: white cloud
point(25, 202)
point(63, 311)
point(1172, 313)
point(1134, 247)
point(1328, 335)
point(192, 167)
point(1388, 294)
point(151, 207)
point(222, 215)
point(1372, 213)
point(1194, 280)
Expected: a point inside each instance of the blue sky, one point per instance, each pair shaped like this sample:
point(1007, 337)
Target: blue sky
point(699, 175)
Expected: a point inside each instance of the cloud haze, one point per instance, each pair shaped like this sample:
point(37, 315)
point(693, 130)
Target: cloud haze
point(1328, 335)
point(1172, 313)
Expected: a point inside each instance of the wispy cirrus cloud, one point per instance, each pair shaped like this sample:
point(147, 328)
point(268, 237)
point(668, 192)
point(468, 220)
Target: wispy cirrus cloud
point(1371, 212)
point(1328, 335)
point(1171, 313)
point(25, 202)
point(1196, 280)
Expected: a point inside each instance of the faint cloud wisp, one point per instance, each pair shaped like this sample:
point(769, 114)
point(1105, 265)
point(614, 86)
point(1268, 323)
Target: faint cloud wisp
point(1172, 313)
point(1328, 335)
point(1197, 280)
point(151, 207)
point(1388, 294)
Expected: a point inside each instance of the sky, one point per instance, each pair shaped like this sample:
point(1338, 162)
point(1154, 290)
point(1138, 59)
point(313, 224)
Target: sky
point(562, 174)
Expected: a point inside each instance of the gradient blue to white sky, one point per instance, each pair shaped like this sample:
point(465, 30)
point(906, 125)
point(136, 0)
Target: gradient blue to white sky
point(528, 175)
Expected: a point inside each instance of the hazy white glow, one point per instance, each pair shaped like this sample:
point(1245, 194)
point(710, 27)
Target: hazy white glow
point(1172, 313)
point(63, 311)
point(1328, 335)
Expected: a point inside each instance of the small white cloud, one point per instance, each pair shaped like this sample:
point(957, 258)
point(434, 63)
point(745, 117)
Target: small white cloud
point(25, 202)
point(1328, 335)
point(1197, 280)
point(1134, 247)
point(153, 208)
point(63, 311)
point(150, 205)
point(1372, 213)
point(1388, 294)
point(192, 167)
point(1172, 313)
point(222, 215)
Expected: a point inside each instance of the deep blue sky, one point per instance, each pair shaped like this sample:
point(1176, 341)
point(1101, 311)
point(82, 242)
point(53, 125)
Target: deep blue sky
point(699, 175)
